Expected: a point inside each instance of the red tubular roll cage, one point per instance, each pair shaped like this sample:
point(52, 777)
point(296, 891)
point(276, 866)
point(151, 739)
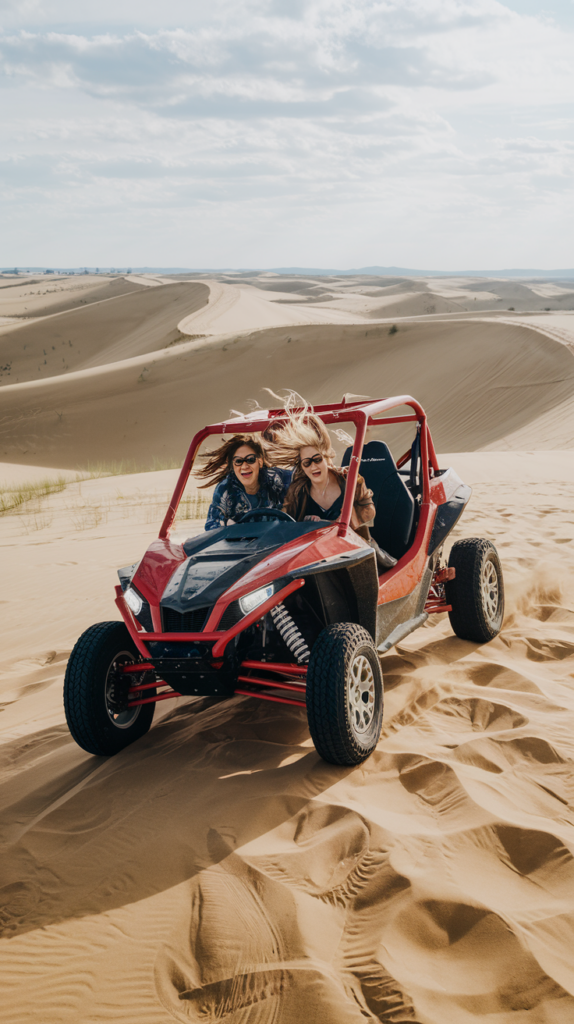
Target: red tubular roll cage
point(362, 414)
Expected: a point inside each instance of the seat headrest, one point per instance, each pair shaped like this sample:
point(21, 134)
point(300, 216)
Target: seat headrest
point(376, 455)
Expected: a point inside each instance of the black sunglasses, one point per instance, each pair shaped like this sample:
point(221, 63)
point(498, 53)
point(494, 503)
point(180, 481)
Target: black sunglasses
point(314, 458)
point(249, 459)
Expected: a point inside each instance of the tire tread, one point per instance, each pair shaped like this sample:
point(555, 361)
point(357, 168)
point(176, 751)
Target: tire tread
point(467, 617)
point(81, 692)
point(326, 710)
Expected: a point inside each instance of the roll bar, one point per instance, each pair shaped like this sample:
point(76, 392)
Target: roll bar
point(362, 413)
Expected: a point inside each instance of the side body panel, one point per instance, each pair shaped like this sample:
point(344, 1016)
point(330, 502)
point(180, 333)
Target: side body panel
point(451, 495)
point(405, 587)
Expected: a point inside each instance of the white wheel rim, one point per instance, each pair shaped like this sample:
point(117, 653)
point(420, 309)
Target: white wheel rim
point(361, 694)
point(490, 590)
point(120, 719)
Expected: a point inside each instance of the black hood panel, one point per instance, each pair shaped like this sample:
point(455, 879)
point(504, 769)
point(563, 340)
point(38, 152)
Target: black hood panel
point(218, 558)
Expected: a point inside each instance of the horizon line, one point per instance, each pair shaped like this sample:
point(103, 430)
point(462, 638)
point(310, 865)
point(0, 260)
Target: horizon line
point(371, 271)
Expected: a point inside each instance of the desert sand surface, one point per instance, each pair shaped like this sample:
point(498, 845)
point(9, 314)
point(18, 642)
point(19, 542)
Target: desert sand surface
point(218, 869)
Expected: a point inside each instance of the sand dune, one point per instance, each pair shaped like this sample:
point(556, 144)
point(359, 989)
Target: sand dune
point(218, 869)
point(417, 304)
point(558, 326)
point(115, 328)
point(409, 296)
point(240, 308)
point(483, 382)
point(42, 296)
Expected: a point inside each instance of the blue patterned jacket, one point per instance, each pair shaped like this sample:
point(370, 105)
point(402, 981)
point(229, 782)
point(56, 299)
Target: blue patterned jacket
point(230, 499)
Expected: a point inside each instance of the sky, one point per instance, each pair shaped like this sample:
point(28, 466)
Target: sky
point(433, 134)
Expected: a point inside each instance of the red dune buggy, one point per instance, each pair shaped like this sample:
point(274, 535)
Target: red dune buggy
point(289, 612)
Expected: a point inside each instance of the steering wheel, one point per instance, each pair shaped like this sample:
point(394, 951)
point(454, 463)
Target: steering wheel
point(261, 513)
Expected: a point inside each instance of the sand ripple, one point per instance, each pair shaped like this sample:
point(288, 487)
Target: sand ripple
point(219, 870)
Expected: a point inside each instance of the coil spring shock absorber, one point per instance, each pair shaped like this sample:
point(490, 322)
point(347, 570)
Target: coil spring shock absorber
point(290, 633)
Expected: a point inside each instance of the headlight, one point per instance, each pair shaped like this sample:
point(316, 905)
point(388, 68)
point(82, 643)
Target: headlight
point(251, 601)
point(133, 600)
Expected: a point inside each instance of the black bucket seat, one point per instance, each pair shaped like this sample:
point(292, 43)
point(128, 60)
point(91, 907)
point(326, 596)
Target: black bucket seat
point(393, 501)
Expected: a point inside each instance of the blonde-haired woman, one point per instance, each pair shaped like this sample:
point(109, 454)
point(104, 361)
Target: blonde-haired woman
point(317, 489)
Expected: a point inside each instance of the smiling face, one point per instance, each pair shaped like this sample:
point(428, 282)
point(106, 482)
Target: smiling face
point(247, 472)
point(318, 472)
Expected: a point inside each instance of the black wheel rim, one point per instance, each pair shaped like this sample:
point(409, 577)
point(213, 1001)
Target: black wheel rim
point(116, 692)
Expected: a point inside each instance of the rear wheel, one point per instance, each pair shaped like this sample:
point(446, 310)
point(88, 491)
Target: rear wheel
point(477, 591)
point(344, 694)
point(96, 691)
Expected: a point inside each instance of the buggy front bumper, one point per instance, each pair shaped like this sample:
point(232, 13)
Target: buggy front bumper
point(217, 640)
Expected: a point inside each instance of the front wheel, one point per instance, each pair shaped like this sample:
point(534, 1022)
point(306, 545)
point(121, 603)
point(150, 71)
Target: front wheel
point(344, 694)
point(477, 591)
point(96, 691)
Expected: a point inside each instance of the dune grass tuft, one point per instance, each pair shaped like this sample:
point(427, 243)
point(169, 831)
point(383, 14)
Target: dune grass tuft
point(195, 506)
point(24, 501)
point(12, 498)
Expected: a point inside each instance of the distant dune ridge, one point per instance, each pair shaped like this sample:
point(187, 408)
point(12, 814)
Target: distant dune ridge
point(137, 374)
point(218, 869)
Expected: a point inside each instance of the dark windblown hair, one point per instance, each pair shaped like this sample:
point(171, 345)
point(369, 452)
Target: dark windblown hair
point(220, 461)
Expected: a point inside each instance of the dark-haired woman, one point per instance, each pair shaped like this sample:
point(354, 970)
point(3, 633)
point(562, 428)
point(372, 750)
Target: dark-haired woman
point(243, 480)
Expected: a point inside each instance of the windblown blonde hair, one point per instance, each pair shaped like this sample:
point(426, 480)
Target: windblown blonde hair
point(305, 430)
point(300, 430)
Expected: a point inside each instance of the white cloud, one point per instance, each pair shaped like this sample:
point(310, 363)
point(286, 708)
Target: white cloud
point(415, 124)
